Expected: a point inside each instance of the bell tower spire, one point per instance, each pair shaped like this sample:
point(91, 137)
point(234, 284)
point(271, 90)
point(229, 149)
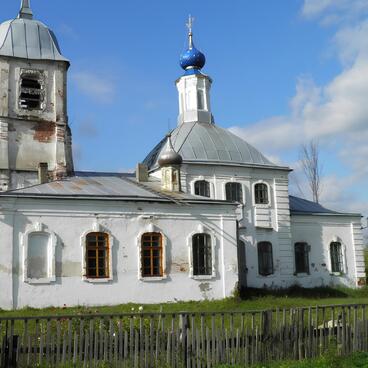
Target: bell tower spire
point(194, 86)
point(25, 10)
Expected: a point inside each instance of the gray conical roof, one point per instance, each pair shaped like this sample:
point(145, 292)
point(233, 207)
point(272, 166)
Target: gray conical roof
point(209, 144)
point(27, 38)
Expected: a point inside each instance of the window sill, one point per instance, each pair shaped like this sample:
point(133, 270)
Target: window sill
point(264, 206)
point(266, 276)
point(202, 277)
point(336, 273)
point(97, 281)
point(152, 279)
point(48, 280)
point(302, 274)
point(264, 227)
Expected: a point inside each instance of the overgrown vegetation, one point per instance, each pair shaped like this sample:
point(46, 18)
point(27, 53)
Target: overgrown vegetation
point(329, 360)
point(250, 299)
point(366, 262)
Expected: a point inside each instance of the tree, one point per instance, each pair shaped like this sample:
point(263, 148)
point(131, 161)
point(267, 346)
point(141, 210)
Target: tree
point(309, 157)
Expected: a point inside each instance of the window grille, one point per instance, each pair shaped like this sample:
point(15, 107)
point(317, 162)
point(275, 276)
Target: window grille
point(97, 255)
point(261, 193)
point(151, 255)
point(202, 188)
point(234, 192)
point(301, 257)
point(202, 255)
point(265, 258)
point(336, 257)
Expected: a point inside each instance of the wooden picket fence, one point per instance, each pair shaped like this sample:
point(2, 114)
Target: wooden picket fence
point(182, 339)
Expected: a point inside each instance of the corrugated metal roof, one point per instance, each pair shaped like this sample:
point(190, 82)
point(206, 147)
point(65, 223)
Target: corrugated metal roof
point(208, 143)
point(90, 184)
point(107, 185)
point(29, 39)
point(300, 206)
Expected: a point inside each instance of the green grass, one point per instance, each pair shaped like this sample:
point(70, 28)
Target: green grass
point(366, 261)
point(330, 360)
point(252, 299)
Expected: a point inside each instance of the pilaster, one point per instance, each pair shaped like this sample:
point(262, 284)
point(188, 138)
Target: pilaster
point(4, 156)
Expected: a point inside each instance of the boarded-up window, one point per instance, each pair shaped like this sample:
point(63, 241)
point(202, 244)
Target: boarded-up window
point(97, 255)
point(31, 94)
point(261, 193)
point(336, 257)
point(265, 258)
point(301, 257)
point(202, 255)
point(234, 192)
point(151, 255)
point(202, 188)
point(38, 255)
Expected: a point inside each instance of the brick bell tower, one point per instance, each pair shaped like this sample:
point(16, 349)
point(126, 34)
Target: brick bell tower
point(34, 133)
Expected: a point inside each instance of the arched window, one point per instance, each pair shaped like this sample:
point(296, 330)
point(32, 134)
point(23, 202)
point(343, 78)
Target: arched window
point(202, 255)
point(97, 255)
point(38, 256)
point(301, 257)
point(200, 99)
point(234, 192)
point(336, 257)
point(261, 193)
point(265, 258)
point(31, 91)
point(151, 255)
point(202, 188)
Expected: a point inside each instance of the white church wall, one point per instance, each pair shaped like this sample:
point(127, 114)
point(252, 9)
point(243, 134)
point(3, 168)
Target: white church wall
point(6, 259)
point(318, 232)
point(272, 223)
point(69, 221)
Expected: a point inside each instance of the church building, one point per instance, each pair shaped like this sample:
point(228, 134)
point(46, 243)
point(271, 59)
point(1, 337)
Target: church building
point(204, 214)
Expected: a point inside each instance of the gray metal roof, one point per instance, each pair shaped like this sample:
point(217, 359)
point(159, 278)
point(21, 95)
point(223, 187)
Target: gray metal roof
point(29, 39)
point(116, 186)
point(300, 206)
point(89, 185)
point(208, 143)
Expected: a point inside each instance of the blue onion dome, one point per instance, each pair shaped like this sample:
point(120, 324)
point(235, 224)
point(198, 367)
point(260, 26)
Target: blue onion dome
point(192, 59)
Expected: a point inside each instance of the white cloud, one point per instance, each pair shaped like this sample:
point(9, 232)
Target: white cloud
point(334, 11)
point(314, 8)
point(335, 114)
point(99, 87)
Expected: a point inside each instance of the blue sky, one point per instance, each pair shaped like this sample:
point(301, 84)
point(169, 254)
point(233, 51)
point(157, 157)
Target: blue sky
point(284, 72)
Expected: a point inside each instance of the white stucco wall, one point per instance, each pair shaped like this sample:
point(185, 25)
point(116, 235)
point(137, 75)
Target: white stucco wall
point(319, 231)
point(69, 220)
point(254, 229)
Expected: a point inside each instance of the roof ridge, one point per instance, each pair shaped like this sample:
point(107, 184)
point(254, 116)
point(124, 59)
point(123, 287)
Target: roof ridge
point(153, 191)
